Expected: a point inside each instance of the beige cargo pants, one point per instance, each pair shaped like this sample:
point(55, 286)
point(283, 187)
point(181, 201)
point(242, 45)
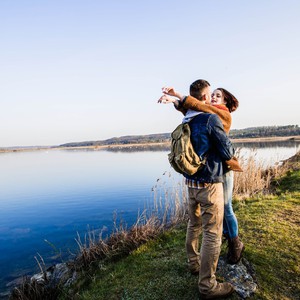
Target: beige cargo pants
point(206, 210)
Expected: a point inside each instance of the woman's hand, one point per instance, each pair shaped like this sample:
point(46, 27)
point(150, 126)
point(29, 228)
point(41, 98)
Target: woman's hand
point(168, 90)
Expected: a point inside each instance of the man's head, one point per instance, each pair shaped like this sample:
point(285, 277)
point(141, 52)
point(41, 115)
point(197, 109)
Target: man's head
point(200, 89)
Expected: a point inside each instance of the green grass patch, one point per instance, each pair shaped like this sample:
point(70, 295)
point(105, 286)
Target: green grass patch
point(289, 182)
point(156, 270)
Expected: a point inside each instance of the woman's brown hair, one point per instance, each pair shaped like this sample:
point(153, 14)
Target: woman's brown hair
point(231, 102)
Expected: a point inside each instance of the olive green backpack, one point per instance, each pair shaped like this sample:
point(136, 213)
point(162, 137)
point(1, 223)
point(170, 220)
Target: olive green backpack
point(183, 157)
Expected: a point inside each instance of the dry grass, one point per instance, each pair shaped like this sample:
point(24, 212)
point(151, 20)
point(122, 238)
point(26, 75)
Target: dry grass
point(255, 179)
point(120, 243)
point(32, 290)
point(167, 210)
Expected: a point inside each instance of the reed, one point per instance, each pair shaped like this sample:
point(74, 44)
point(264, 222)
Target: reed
point(32, 290)
point(166, 210)
point(255, 178)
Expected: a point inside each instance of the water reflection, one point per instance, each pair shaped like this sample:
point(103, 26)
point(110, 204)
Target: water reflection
point(292, 143)
point(268, 153)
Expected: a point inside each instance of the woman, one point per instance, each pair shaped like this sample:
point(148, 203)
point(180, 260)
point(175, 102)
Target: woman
point(223, 103)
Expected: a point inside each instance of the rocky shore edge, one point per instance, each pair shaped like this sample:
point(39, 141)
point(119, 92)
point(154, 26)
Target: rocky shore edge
point(63, 275)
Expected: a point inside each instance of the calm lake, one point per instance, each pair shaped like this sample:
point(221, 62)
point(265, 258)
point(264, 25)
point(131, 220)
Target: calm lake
point(47, 197)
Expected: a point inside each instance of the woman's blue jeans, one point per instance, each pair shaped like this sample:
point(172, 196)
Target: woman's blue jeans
point(230, 223)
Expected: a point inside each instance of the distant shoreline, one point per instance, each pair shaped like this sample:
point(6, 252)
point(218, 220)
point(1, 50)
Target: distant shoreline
point(144, 145)
point(267, 139)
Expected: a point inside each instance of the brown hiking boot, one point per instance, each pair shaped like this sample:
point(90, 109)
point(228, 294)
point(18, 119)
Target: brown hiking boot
point(222, 290)
point(236, 248)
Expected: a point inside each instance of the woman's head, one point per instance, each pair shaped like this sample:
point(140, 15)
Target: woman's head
point(222, 96)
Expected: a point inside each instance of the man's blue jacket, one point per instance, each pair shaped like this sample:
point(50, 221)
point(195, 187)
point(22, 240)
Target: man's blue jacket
point(211, 143)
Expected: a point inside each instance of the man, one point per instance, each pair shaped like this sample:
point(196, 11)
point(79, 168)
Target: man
point(205, 189)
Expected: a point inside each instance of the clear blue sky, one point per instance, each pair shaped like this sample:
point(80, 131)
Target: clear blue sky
point(90, 70)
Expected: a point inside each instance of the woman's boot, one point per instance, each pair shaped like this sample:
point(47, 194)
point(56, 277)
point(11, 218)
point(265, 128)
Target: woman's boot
point(236, 248)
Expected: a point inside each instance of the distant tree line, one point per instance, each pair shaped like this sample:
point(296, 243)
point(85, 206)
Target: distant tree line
point(253, 132)
point(265, 131)
point(129, 139)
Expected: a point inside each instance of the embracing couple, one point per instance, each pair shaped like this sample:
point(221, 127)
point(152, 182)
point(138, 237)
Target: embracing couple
point(209, 189)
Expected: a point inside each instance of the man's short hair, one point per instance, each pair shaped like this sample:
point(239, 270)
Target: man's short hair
point(197, 87)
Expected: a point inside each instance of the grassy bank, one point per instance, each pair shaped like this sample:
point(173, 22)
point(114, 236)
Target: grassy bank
point(269, 227)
